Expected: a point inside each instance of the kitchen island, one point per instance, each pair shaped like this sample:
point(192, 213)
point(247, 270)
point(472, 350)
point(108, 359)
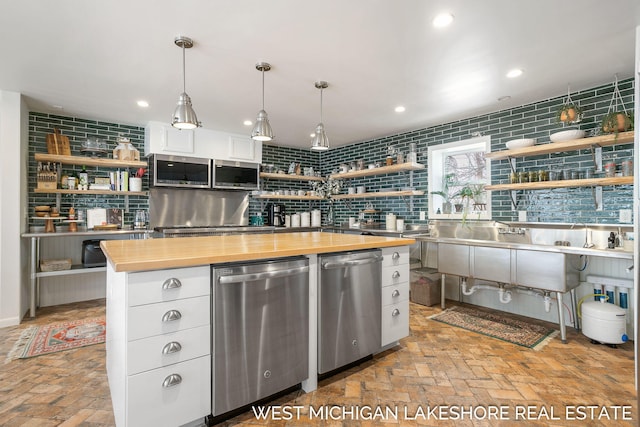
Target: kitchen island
point(160, 320)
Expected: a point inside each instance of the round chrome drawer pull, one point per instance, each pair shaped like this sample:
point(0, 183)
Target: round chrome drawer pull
point(171, 315)
point(395, 293)
point(171, 380)
point(267, 374)
point(172, 347)
point(395, 312)
point(171, 283)
point(395, 274)
point(354, 343)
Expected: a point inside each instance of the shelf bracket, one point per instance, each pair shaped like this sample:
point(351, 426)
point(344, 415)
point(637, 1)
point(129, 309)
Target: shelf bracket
point(597, 197)
point(409, 203)
point(512, 164)
point(126, 203)
point(513, 195)
point(596, 153)
point(58, 200)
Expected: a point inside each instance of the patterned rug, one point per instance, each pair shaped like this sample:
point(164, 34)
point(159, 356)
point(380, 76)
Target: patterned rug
point(497, 325)
point(43, 339)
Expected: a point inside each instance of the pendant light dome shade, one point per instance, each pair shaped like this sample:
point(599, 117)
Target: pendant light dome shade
point(184, 117)
point(320, 142)
point(262, 130)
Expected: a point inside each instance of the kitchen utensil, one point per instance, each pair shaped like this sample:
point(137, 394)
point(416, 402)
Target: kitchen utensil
point(58, 143)
point(140, 220)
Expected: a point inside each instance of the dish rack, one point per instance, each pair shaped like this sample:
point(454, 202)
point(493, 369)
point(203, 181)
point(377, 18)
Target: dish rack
point(55, 264)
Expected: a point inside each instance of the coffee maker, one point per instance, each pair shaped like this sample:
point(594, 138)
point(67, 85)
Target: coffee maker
point(275, 215)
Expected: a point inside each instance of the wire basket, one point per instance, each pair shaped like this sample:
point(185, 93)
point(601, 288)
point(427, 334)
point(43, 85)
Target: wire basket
point(55, 264)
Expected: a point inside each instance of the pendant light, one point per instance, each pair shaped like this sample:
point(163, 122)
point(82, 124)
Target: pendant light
point(184, 117)
point(320, 142)
point(262, 130)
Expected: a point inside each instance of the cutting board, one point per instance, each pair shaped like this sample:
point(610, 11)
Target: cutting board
point(58, 143)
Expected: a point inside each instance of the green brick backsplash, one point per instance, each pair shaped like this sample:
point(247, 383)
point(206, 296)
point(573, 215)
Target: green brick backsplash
point(536, 120)
point(77, 129)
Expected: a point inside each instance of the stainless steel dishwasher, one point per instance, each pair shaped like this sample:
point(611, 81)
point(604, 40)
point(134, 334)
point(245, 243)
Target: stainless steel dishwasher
point(349, 308)
point(261, 330)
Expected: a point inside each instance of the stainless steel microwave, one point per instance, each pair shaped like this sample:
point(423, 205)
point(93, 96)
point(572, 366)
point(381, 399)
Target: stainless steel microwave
point(232, 175)
point(179, 171)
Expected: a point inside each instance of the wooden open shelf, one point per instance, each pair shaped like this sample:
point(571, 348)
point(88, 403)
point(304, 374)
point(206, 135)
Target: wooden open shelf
point(89, 161)
point(558, 147)
point(290, 177)
point(102, 192)
point(402, 167)
point(378, 194)
point(591, 182)
point(283, 197)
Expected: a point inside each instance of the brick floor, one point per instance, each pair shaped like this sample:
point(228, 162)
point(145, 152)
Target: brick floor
point(437, 365)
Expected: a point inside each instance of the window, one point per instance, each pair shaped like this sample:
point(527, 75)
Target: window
point(458, 174)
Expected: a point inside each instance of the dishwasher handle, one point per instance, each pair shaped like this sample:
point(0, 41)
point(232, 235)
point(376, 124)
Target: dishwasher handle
point(350, 263)
point(252, 277)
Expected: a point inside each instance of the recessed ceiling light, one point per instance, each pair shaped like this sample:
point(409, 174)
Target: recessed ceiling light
point(504, 98)
point(312, 134)
point(247, 123)
point(400, 109)
point(442, 20)
point(57, 107)
point(516, 72)
point(142, 103)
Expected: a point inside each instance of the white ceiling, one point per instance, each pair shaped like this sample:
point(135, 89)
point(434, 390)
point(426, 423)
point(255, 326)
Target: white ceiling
point(95, 59)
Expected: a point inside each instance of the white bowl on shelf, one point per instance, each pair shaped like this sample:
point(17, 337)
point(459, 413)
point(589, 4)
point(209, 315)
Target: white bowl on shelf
point(520, 143)
point(567, 135)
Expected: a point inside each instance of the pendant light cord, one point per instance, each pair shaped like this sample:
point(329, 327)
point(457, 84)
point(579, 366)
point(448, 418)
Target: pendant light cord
point(263, 88)
point(321, 90)
point(184, 72)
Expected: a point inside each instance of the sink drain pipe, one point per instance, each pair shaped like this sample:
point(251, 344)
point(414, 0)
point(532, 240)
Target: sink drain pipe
point(503, 293)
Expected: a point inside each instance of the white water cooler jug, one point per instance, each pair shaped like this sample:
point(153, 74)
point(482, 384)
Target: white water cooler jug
point(605, 323)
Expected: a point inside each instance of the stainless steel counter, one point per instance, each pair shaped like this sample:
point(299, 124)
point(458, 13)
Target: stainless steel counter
point(574, 250)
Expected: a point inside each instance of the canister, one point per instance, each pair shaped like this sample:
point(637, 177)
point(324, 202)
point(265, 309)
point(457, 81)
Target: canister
point(295, 220)
point(391, 222)
point(315, 218)
point(305, 219)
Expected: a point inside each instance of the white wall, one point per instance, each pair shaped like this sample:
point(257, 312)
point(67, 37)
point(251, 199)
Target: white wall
point(13, 192)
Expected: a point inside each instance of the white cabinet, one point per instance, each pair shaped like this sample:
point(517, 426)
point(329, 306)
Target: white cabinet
point(162, 138)
point(159, 346)
point(395, 294)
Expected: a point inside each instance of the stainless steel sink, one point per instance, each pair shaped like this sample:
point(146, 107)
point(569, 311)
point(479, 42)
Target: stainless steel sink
point(510, 265)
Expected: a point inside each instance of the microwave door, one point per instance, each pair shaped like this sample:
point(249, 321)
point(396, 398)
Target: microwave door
point(170, 172)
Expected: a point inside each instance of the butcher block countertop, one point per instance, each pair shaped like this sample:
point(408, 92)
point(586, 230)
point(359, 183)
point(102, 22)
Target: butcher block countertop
point(159, 254)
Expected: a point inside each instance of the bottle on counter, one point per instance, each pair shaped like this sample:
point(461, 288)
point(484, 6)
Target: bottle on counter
point(611, 241)
point(83, 179)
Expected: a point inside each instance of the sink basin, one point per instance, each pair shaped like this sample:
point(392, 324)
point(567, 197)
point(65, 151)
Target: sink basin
point(510, 265)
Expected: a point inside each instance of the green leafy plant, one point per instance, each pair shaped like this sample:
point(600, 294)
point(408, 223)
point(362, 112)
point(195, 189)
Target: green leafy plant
point(617, 121)
point(569, 113)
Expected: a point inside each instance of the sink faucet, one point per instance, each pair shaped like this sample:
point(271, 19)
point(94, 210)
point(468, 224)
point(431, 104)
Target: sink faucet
point(509, 229)
point(587, 242)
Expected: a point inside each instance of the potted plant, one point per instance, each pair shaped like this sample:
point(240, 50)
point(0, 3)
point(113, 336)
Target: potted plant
point(617, 121)
point(447, 180)
point(569, 113)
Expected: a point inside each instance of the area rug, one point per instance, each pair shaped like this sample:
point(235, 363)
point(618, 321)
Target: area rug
point(497, 325)
point(44, 339)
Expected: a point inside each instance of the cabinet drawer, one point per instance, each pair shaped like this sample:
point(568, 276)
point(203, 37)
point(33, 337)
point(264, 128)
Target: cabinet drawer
point(154, 319)
point(163, 350)
point(395, 256)
point(395, 322)
point(152, 402)
point(395, 293)
point(395, 274)
point(157, 286)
